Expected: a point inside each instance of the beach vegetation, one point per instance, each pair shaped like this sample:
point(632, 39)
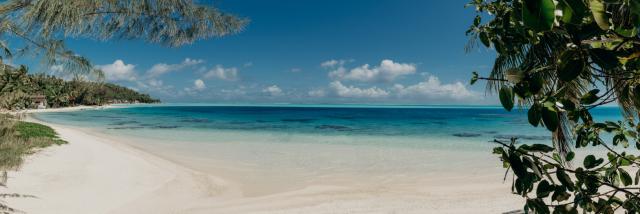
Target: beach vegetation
point(17, 140)
point(38, 28)
point(21, 90)
point(558, 60)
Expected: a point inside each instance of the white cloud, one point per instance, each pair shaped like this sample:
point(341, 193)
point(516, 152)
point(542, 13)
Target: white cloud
point(163, 68)
point(317, 93)
point(155, 83)
point(330, 63)
point(273, 90)
point(432, 88)
point(355, 92)
point(229, 74)
point(335, 63)
point(387, 71)
point(192, 62)
point(156, 86)
point(295, 70)
point(199, 85)
point(56, 69)
point(118, 70)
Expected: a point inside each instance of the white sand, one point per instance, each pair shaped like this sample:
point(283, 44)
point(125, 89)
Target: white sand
point(63, 109)
point(98, 175)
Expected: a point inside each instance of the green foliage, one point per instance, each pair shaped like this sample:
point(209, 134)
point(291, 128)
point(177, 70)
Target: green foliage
point(538, 14)
point(570, 56)
point(17, 140)
point(42, 25)
point(506, 98)
point(37, 132)
point(17, 89)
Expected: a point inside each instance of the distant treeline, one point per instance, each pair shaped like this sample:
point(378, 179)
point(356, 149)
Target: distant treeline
point(20, 90)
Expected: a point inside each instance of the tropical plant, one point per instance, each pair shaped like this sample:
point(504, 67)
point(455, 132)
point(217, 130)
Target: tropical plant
point(559, 60)
point(42, 25)
point(39, 27)
point(61, 93)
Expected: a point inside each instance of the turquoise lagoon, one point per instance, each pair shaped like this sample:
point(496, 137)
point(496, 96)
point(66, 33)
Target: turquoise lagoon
point(276, 148)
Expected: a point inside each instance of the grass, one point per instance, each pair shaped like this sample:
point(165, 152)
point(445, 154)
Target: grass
point(38, 132)
point(19, 138)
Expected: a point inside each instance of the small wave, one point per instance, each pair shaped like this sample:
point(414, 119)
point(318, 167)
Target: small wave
point(164, 127)
point(298, 120)
point(194, 120)
point(123, 123)
point(466, 134)
point(334, 127)
point(127, 127)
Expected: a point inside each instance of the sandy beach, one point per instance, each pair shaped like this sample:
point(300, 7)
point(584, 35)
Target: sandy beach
point(98, 174)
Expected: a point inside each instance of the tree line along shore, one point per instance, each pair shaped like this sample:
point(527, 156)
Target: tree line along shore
point(22, 90)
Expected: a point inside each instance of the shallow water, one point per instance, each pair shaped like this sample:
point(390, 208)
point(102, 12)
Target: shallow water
point(270, 149)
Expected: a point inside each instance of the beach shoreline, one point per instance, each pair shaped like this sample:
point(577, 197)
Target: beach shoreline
point(122, 178)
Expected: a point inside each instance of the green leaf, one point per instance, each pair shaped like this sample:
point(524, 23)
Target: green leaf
point(636, 96)
point(522, 90)
point(590, 161)
point(484, 38)
point(590, 97)
point(604, 58)
point(539, 148)
point(535, 83)
point(626, 32)
point(599, 14)
point(564, 179)
point(625, 177)
point(630, 133)
point(637, 179)
point(573, 11)
point(570, 156)
point(568, 105)
point(506, 98)
point(476, 21)
point(620, 139)
point(534, 115)
point(538, 206)
point(570, 65)
point(538, 14)
point(474, 77)
point(560, 194)
point(550, 118)
point(516, 165)
point(544, 189)
point(635, 10)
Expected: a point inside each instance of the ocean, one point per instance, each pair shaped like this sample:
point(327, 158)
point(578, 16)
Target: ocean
point(278, 148)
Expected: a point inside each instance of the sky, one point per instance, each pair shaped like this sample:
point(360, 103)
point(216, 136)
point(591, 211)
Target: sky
point(312, 51)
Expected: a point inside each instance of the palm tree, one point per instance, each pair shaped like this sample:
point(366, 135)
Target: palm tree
point(43, 25)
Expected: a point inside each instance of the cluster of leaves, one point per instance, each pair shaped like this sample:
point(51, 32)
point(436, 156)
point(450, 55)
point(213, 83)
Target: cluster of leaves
point(17, 89)
point(39, 27)
point(560, 59)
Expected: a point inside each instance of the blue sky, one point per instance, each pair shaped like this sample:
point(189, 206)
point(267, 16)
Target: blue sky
point(313, 51)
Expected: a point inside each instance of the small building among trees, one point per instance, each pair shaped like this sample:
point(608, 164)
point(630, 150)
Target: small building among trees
point(39, 101)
